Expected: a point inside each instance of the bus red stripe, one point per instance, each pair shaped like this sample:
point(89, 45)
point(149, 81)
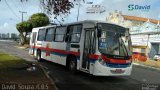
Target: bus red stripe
point(94, 56)
point(91, 56)
point(58, 50)
point(119, 61)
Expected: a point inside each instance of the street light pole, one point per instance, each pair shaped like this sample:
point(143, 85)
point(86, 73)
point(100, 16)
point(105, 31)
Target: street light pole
point(22, 14)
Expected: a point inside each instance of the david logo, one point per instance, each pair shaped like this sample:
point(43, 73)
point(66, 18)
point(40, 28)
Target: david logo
point(132, 7)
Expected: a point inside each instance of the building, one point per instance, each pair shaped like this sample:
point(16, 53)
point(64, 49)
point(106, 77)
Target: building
point(11, 36)
point(145, 32)
point(14, 36)
point(3, 36)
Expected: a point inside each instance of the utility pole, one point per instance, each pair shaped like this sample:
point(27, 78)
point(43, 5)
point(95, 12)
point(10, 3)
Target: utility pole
point(22, 14)
point(78, 9)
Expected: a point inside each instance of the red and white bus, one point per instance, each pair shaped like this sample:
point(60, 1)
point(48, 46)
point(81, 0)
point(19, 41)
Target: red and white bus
point(95, 47)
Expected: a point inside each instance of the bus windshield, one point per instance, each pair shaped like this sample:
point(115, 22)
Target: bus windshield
point(114, 41)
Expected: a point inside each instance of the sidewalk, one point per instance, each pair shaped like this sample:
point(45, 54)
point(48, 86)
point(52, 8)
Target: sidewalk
point(26, 46)
point(149, 63)
point(15, 72)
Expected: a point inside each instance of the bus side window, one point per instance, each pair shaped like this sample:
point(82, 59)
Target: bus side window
point(41, 34)
point(49, 34)
point(60, 33)
point(74, 33)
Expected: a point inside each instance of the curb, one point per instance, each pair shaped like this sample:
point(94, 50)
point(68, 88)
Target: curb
point(137, 64)
point(47, 75)
point(20, 47)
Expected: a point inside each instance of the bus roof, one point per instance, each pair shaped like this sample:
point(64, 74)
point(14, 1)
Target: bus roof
point(45, 27)
point(85, 21)
point(91, 21)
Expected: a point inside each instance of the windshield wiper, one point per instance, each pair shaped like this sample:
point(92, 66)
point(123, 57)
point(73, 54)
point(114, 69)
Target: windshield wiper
point(122, 44)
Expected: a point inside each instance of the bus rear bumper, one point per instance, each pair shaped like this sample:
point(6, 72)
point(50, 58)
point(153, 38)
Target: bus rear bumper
point(101, 70)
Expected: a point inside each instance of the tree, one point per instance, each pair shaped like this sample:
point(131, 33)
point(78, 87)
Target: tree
point(24, 28)
point(59, 7)
point(38, 20)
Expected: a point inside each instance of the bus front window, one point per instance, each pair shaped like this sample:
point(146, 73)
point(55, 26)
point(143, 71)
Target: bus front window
point(114, 41)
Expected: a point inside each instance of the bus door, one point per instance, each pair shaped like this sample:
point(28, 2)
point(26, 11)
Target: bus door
point(89, 47)
point(33, 41)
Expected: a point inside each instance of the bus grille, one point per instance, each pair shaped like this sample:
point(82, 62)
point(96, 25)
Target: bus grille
point(113, 65)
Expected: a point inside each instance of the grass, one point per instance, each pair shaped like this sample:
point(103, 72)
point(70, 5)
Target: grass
point(10, 66)
point(13, 70)
point(9, 61)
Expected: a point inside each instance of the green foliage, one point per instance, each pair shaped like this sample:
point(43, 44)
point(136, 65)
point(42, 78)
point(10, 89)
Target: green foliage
point(24, 27)
point(39, 19)
point(36, 20)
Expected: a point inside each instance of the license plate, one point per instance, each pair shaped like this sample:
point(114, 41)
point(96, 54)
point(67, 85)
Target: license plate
point(117, 71)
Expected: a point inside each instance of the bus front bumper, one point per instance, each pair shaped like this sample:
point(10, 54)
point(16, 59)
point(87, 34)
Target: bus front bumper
point(101, 70)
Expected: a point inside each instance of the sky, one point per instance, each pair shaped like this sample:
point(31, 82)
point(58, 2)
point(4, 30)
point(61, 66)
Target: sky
point(10, 11)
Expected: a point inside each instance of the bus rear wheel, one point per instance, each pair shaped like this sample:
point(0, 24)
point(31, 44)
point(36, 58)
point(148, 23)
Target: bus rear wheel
point(73, 65)
point(39, 56)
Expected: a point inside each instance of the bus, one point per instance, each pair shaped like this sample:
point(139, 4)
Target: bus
point(95, 47)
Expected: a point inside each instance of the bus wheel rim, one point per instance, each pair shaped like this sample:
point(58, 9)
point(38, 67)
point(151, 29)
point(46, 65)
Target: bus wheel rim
point(38, 56)
point(72, 65)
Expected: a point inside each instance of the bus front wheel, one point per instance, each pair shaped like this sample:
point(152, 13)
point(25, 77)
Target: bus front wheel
point(39, 56)
point(73, 65)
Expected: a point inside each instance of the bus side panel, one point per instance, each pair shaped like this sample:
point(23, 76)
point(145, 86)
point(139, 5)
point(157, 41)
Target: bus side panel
point(46, 52)
point(59, 53)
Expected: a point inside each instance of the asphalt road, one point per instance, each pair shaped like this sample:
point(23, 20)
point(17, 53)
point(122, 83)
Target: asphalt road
point(142, 78)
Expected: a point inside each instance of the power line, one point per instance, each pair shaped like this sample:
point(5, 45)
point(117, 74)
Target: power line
point(24, 7)
point(11, 9)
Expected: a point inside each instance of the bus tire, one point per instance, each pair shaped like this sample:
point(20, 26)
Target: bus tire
point(39, 56)
point(73, 65)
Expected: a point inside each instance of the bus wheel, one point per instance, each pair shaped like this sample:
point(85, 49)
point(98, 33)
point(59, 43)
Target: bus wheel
point(73, 65)
point(39, 56)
